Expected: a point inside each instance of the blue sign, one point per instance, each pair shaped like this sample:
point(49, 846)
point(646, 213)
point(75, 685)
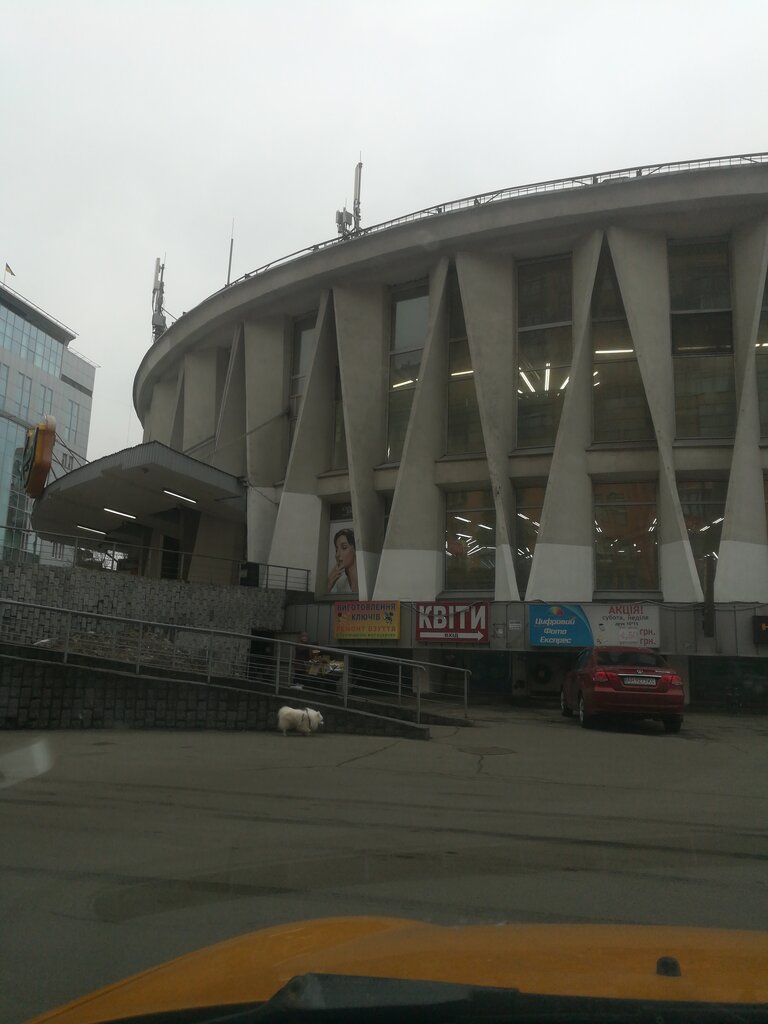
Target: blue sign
point(558, 625)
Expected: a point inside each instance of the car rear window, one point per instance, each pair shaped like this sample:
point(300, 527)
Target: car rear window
point(647, 659)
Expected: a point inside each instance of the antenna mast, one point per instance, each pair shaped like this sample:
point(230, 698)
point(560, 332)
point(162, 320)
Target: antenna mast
point(348, 224)
point(158, 288)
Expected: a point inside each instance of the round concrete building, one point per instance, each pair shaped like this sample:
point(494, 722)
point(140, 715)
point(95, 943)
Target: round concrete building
point(550, 399)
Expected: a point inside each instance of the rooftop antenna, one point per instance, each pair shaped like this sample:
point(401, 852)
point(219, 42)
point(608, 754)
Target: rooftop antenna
point(158, 316)
point(349, 223)
point(231, 246)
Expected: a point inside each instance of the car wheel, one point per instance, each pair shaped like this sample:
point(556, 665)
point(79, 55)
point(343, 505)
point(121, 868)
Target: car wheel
point(585, 720)
point(672, 724)
point(565, 711)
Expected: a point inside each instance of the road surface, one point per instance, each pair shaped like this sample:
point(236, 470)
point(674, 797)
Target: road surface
point(123, 849)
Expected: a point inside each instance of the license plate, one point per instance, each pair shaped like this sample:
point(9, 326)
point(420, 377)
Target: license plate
point(639, 680)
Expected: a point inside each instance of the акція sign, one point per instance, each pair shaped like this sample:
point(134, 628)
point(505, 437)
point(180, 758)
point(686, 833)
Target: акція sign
point(453, 621)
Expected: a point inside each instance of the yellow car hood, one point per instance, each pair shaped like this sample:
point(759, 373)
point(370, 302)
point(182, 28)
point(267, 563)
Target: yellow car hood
point(572, 960)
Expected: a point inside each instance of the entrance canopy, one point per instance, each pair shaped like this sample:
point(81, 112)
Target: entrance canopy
point(123, 495)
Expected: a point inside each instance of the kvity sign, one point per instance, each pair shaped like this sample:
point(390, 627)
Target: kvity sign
point(452, 621)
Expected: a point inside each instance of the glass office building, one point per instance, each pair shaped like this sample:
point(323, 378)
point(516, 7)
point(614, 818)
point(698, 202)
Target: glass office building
point(39, 376)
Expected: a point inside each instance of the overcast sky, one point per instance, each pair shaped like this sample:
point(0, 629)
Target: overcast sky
point(136, 129)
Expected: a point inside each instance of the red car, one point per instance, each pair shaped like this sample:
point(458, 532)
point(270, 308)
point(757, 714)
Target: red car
point(623, 681)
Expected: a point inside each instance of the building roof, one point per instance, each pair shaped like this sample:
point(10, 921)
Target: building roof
point(27, 309)
point(149, 481)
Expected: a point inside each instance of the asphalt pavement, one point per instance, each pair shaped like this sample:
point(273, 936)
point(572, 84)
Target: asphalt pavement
point(122, 849)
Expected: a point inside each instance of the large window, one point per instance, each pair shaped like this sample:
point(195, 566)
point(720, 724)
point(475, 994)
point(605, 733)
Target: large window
point(72, 422)
point(44, 401)
point(465, 435)
point(339, 457)
point(3, 384)
point(761, 359)
point(626, 531)
point(529, 503)
point(620, 409)
point(703, 505)
point(702, 339)
point(470, 541)
point(543, 348)
point(410, 318)
point(301, 353)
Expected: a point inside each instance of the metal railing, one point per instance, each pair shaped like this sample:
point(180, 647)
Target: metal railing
point(515, 192)
point(72, 551)
point(348, 678)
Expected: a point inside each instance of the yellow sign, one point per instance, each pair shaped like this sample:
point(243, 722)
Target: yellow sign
point(366, 620)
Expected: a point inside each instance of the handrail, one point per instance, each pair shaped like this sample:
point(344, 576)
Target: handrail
point(281, 665)
point(517, 191)
point(270, 576)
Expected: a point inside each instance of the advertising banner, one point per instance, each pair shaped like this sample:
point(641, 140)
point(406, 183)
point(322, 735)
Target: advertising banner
point(453, 621)
point(342, 551)
point(366, 620)
point(628, 624)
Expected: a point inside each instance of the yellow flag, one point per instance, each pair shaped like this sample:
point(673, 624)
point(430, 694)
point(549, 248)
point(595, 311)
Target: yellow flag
point(9, 271)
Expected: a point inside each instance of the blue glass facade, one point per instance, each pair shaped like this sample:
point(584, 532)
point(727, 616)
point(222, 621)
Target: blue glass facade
point(39, 376)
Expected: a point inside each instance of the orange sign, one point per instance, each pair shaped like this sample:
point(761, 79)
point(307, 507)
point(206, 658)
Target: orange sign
point(366, 620)
point(38, 452)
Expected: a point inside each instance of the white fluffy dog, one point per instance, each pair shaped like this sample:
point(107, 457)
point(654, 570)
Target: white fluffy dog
point(303, 720)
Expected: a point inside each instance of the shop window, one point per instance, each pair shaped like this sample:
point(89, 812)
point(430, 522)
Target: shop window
point(543, 348)
point(470, 541)
point(410, 318)
point(529, 504)
point(703, 505)
point(619, 406)
point(626, 537)
point(465, 435)
point(702, 339)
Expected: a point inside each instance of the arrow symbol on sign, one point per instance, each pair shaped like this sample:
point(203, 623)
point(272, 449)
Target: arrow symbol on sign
point(451, 635)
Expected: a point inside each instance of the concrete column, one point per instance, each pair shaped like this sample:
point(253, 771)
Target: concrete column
point(229, 443)
point(563, 559)
point(159, 422)
point(411, 567)
point(299, 538)
point(362, 334)
point(487, 294)
point(200, 402)
point(742, 569)
point(640, 260)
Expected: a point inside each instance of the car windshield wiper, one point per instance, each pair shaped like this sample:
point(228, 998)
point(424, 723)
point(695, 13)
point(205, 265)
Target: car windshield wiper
point(345, 999)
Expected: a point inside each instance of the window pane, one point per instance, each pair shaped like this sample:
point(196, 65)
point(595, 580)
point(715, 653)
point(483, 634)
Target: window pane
point(761, 359)
point(699, 276)
point(470, 542)
point(397, 422)
point(465, 434)
point(410, 317)
point(529, 502)
point(537, 348)
point(701, 332)
point(620, 409)
point(606, 297)
point(611, 340)
point(404, 368)
point(303, 335)
point(626, 536)
point(703, 505)
point(544, 292)
point(705, 404)
point(458, 357)
point(538, 415)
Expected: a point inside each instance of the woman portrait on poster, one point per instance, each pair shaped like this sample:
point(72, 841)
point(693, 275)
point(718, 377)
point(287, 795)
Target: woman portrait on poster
point(343, 576)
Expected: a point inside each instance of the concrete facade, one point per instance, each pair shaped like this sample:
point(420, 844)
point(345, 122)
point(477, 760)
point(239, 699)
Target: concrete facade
point(225, 368)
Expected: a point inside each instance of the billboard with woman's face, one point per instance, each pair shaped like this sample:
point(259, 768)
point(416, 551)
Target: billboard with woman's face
point(342, 555)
